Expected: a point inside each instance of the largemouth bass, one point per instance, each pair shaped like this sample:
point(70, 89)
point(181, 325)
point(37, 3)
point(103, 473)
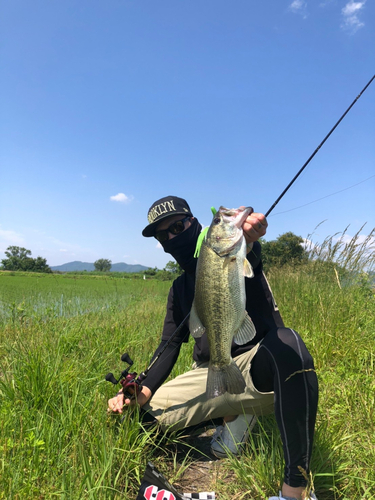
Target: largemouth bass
point(219, 301)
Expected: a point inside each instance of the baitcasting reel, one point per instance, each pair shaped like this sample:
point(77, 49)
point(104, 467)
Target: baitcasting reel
point(131, 384)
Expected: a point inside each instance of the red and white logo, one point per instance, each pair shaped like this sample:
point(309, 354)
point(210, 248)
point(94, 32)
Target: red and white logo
point(152, 493)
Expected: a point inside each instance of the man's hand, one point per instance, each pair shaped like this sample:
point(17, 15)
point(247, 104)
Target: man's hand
point(254, 227)
point(117, 403)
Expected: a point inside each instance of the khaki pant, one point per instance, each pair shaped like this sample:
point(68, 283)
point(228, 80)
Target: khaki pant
point(182, 402)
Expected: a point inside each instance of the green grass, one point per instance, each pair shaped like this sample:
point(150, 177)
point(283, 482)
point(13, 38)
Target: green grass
point(338, 326)
point(59, 336)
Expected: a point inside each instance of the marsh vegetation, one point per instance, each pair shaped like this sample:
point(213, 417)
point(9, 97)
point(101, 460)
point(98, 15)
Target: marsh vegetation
point(60, 335)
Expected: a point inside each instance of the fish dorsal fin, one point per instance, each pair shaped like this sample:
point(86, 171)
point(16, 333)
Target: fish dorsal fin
point(247, 269)
point(246, 332)
point(195, 325)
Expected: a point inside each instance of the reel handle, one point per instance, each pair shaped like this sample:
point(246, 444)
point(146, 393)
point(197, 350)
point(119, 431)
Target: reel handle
point(127, 359)
point(111, 378)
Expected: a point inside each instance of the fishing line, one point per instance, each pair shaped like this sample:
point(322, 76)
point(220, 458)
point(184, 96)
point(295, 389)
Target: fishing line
point(169, 341)
point(167, 344)
point(327, 196)
point(317, 149)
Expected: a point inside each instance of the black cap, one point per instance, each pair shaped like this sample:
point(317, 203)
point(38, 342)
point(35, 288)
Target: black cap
point(163, 208)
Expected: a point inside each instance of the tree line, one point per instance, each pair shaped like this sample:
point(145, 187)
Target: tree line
point(286, 249)
point(19, 259)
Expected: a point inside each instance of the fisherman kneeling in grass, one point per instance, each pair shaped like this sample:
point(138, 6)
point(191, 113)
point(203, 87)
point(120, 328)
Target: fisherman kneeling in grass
point(276, 366)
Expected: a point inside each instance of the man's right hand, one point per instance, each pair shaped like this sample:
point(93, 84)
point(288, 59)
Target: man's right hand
point(117, 403)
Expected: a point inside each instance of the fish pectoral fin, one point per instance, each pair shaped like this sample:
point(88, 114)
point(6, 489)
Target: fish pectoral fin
point(229, 262)
point(247, 269)
point(246, 332)
point(195, 325)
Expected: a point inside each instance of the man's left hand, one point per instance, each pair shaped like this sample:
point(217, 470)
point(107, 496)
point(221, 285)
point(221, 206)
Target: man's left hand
point(254, 227)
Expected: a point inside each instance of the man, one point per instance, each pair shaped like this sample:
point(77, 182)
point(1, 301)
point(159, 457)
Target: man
point(277, 367)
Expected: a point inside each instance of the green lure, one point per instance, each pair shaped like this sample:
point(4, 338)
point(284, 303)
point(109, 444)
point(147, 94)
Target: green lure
point(202, 236)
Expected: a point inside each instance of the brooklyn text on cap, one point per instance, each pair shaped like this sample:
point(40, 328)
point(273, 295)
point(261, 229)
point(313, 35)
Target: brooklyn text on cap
point(165, 207)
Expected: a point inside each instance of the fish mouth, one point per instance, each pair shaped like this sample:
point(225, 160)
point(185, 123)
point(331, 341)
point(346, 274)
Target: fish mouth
point(239, 215)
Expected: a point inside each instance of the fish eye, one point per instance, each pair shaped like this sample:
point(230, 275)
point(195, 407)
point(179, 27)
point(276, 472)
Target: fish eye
point(216, 220)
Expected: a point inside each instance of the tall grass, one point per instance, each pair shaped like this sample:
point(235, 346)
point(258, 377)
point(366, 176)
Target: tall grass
point(57, 441)
point(354, 254)
point(331, 302)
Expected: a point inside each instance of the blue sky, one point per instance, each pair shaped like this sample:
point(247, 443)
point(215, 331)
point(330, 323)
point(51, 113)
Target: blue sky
point(108, 106)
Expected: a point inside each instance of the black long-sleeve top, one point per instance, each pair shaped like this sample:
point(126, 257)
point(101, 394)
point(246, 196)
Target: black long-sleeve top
point(260, 306)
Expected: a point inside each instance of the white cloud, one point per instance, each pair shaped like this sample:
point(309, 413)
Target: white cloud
point(10, 237)
point(296, 5)
point(299, 7)
point(359, 239)
point(352, 7)
point(350, 13)
point(306, 243)
point(122, 198)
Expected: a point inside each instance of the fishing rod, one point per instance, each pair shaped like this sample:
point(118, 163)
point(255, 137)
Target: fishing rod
point(317, 149)
point(131, 383)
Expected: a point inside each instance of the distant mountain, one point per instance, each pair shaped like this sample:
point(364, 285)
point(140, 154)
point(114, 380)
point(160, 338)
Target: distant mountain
point(121, 267)
point(87, 266)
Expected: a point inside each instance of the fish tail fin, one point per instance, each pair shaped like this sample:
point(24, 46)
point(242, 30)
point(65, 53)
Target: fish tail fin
point(224, 379)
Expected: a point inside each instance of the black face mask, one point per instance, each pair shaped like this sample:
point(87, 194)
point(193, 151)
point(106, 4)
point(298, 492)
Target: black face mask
point(182, 246)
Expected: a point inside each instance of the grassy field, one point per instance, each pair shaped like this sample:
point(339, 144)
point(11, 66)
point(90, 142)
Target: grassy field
point(60, 335)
